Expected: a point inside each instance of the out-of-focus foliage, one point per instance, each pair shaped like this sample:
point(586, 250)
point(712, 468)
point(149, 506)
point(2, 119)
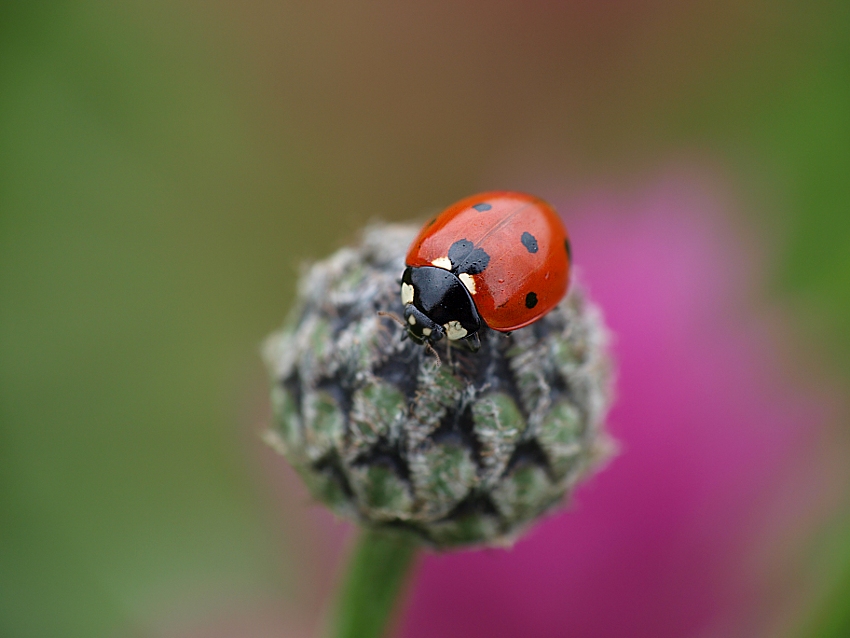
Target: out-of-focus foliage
point(164, 166)
point(127, 326)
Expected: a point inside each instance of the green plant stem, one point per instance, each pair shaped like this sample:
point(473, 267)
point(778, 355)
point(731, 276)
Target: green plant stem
point(375, 578)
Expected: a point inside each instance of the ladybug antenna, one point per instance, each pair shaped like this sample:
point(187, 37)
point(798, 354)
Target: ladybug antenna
point(395, 318)
point(428, 346)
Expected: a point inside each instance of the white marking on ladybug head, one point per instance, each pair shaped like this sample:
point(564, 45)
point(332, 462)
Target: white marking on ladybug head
point(411, 320)
point(443, 262)
point(426, 331)
point(454, 330)
point(406, 294)
point(468, 281)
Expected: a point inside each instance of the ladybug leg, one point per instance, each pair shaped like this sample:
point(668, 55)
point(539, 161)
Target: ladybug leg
point(472, 342)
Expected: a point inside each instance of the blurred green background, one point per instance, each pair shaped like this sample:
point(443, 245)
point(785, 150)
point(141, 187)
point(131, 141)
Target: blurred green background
point(165, 166)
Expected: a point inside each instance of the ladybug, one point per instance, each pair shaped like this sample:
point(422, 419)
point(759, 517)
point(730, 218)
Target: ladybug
point(499, 260)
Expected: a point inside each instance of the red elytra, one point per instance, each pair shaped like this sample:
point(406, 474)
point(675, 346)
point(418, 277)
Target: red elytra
point(528, 270)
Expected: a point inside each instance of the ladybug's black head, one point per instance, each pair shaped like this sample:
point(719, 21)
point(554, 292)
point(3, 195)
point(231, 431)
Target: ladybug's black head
point(420, 327)
point(437, 304)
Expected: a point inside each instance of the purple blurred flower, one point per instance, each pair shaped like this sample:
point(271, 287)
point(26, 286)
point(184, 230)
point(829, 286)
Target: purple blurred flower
point(668, 540)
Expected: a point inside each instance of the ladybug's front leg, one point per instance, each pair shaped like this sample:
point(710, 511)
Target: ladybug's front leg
point(472, 342)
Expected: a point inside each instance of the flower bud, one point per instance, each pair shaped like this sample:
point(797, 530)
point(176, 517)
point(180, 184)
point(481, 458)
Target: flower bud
point(467, 448)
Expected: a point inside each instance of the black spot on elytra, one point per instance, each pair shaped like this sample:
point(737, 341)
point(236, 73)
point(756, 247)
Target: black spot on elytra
point(459, 250)
point(529, 241)
point(569, 250)
point(466, 258)
point(531, 300)
point(482, 207)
